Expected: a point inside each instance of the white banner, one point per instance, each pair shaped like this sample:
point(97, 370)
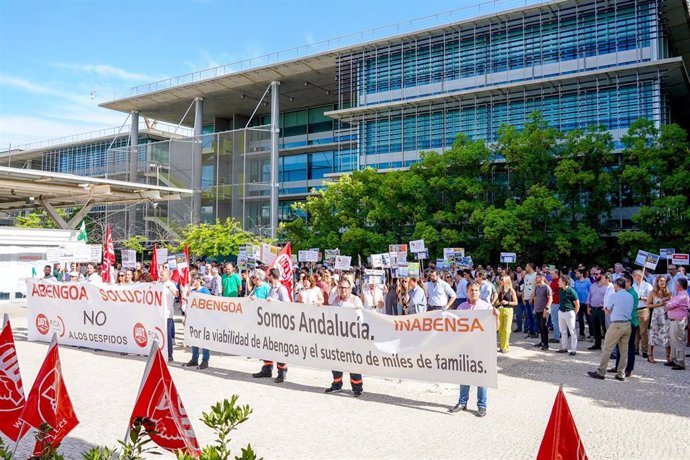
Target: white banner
point(454, 346)
point(122, 319)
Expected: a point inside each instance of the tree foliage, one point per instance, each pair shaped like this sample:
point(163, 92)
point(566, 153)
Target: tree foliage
point(547, 195)
point(217, 240)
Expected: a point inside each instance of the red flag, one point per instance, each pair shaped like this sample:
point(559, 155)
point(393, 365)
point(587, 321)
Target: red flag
point(11, 390)
point(108, 255)
point(159, 401)
point(184, 272)
point(561, 439)
point(48, 401)
point(154, 265)
point(283, 262)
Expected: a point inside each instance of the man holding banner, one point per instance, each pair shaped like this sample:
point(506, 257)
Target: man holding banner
point(346, 299)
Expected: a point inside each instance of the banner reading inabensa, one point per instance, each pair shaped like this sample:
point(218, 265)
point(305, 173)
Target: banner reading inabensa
point(441, 346)
point(105, 317)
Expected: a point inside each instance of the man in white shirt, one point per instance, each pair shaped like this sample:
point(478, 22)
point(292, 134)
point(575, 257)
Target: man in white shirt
point(461, 280)
point(91, 275)
point(346, 299)
point(673, 276)
point(170, 291)
point(487, 290)
point(440, 295)
point(643, 290)
point(531, 320)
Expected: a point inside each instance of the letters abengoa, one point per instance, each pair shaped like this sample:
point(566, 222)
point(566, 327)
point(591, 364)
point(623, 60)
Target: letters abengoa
point(450, 346)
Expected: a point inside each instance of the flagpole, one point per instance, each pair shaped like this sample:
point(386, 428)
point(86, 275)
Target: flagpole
point(147, 369)
point(16, 444)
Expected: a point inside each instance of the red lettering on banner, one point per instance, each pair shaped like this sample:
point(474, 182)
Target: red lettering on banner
point(60, 291)
point(216, 305)
point(438, 325)
point(146, 297)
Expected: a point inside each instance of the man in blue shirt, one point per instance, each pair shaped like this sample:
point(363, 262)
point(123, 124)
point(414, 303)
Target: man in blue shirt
point(582, 285)
point(620, 308)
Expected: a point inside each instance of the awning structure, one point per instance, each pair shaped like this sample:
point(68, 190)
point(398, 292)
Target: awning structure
point(26, 189)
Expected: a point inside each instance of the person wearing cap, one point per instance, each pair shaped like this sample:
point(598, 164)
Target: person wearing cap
point(198, 286)
point(276, 292)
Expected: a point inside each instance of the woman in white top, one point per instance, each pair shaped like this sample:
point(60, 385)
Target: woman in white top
point(311, 293)
point(373, 297)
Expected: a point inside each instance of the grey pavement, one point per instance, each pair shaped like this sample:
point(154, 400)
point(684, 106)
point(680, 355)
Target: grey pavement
point(645, 417)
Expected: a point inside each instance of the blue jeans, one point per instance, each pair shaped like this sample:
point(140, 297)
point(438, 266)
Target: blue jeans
point(554, 320)
point(465, 395)
point(519, 311)
point(531, 320)
point(205, 354)
point(171, 337)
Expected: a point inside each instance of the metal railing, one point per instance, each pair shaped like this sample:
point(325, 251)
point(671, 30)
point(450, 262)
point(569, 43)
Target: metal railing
point(358, 38)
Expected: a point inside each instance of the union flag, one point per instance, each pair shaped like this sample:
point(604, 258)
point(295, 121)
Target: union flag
point(48, 402)
point(283, 262)
point(154, 265)
point(108, 255)
point(159, 402)
point(11, 390)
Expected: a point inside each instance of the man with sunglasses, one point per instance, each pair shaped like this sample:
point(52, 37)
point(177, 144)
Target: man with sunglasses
point(345, 298)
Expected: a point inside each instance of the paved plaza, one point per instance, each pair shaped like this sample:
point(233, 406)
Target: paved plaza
point(645, 417)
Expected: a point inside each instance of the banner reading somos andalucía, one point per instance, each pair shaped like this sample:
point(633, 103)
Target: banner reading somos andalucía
point(441, 346)
point(99, 316)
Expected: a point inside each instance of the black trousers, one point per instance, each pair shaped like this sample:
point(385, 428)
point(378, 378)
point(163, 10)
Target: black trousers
point(583, 316)
point(543, 329)
point(355, 380)
point(599, 325)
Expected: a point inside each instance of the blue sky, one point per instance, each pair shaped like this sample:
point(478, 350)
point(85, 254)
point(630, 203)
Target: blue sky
point(60, 58)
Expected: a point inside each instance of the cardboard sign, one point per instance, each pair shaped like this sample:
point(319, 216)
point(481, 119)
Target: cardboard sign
point(269, 253)
point(452, 254)
point(386, 260)
point(96, 253)
point(161, 256)
point(397, 248)
point(342, 262)
point(647, 259)
point(129, 258)
point(308, 256)
point(329, 257)
point(377, 260)
point(417, 246)
point(680, 259)
point(508, 257)
point(423, 255)
point(666, 253)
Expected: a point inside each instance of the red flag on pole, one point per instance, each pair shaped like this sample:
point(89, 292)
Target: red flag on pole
point(108, 255)
point(184, 272)
point(11, 389)
point(154, 265)
point(159, 401)
point(283, 262)
point(561, 439)
point(48, 402)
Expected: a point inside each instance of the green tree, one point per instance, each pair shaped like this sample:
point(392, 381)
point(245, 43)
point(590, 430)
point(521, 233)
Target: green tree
point(38, 219)
point(135, 242)
point(217, 240)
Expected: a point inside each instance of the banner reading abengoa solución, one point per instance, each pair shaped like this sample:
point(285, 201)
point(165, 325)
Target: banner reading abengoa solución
point(441, 346)
point(123, 319)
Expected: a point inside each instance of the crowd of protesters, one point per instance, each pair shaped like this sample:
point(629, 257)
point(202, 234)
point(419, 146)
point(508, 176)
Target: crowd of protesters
point(622, 312)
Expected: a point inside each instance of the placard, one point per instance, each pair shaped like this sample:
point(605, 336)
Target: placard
point(377, 260)
point(129, 258)
point(680, 259)
point(508, 257)
point(374, 276)
point(161, 256)
point(413, 269)
point(342, 262)
point(397, 248)
point(269, 253)
point(172, 263)
point(666, 253)
point(417, 246)
point(308, 256)
point(423, 255)
point(329, 257)
point(386, 260)
point(452, 254)
point(647, 259)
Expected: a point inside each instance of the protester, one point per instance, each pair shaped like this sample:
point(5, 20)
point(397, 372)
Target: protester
point(92, 275)
point(280, 293)
point(677, 309)
point(620, 309)
point(507, 301)
point(554, 283)
point(542, 298)
point(643, 290)
point(231, 281)
point(415, 300)
point(634, 326)
point(474, 302)
point(216, 283)
point(582, 286)
point(461, 279)
point(569, 305)
point(197, 286)
point(373, 297)
point(171, 292)
point(346, 299)
point(595, 302)
point(530, 325)
point(659, 326)
point(311, 293)
point(129, 277)
point(439, 293)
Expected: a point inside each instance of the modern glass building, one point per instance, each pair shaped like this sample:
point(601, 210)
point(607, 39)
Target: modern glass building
point(383, 101)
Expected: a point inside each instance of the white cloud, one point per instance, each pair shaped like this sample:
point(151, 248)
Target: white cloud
point(19, 129)
point(35, 88)
point(105, 70)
